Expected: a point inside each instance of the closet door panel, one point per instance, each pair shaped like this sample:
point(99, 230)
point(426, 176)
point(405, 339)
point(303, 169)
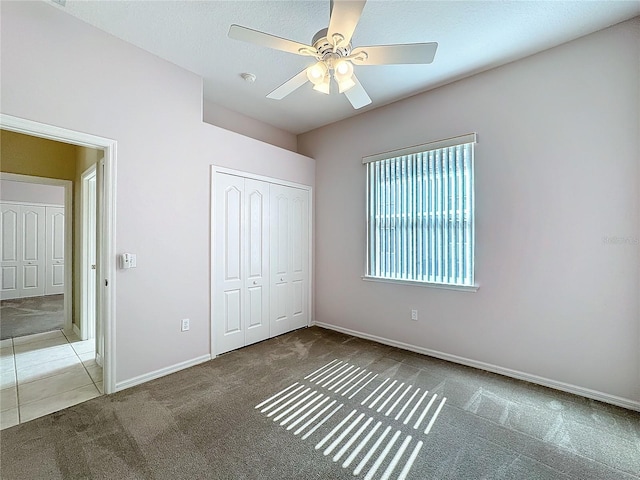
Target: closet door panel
point(256, 317)
point(10, 227)
point(299, 254)
point(33, 251)
point(228, 328)
point(256, 252)
point(297, 300)
point(55, 251)
point(232, 311)
point(280, 258)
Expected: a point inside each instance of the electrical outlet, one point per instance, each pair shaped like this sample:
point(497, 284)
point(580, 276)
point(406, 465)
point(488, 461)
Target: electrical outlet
point(414, 315)
point(185, 325)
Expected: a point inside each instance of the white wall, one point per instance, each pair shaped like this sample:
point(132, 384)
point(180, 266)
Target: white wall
point(557, 171)
point(11, 191)
point(89, 81)
point(236, 122)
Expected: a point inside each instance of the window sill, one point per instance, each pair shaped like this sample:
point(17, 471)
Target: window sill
point(463, 288)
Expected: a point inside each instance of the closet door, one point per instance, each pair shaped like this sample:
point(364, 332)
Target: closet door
point(55, 250)
point(32, 259)
point(229, 212)
point(256, 252)
point(280, 259)
point(10, 251)
point(260, 261)
point(289, 223)
point(299, 238)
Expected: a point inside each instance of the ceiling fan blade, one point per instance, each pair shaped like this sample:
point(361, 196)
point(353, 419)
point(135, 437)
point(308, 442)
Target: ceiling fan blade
point(245, 34)
point(357, 95)
point(289, 86)
point(344, 18)
point(420, 53)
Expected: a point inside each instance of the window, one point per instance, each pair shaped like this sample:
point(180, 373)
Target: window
point(420, 206)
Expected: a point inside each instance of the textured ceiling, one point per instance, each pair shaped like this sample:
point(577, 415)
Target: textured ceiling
point(472, 35)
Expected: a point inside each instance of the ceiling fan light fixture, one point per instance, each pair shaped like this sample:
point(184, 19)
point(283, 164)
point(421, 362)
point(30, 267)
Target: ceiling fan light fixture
point(317, 73)
point(345, 85)
point(324, 86)
point(343, 69)
point(335, 55)
point(343, 73)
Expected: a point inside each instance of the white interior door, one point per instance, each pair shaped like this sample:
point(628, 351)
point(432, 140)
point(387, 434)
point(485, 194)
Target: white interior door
point(55, 262)
point(228, 301)
point(280, 259)
point(10, 251)
point(33, 261)
point(299, 254)
point(289, 223)
point(88, 305)
point(256, 252)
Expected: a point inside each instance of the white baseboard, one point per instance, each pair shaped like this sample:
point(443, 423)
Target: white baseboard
point(546, 382)
point(161, 372)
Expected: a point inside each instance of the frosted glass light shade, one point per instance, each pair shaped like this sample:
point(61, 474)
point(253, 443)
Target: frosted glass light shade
point(346, 84)
point(316, 73)
point(324, 86)
point(343, 69)
point(343, 73)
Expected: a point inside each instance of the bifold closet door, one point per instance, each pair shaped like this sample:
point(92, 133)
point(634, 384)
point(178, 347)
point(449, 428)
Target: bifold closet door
point(55, 251)
point(257, 260)
point(289, 258)
point(23, 250)
point(241, 252)
point(10, 251)
point(33, 250)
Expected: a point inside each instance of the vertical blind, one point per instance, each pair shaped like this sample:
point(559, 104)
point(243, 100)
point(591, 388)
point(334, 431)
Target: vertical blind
point(420, 214)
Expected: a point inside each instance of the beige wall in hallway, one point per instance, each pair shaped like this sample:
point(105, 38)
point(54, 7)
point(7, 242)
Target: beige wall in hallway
point(27, 155)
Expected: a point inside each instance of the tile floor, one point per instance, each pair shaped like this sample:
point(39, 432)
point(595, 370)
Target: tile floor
point(44, 373)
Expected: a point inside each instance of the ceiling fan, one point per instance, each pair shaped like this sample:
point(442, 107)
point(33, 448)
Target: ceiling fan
point(334, 54)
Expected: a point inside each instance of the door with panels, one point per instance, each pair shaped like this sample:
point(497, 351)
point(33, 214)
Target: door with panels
point(55, 250)
point(289, 258)
point(241, 262)
point(22, 251)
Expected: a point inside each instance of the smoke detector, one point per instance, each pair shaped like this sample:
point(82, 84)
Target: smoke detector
point(248, 77)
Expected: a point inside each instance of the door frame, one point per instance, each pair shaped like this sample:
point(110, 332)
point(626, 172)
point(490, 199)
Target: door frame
point(68, 233)
point(215, 169)
point(106, 265)
point(87, 175)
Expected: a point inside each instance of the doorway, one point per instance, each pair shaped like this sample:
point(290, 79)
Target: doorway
point(105, 226)
point(35, 279)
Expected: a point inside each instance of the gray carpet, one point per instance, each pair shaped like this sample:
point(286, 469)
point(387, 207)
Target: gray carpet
point(202, 422)
point(26, 316)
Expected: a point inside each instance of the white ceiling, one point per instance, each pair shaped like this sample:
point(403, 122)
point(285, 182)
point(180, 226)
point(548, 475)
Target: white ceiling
point(472, 35)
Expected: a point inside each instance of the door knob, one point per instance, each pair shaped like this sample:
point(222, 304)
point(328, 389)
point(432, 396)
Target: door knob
point(255, 282)
point(281, 279)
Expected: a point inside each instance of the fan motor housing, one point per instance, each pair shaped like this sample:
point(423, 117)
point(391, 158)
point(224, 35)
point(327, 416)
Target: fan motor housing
point(325, 47)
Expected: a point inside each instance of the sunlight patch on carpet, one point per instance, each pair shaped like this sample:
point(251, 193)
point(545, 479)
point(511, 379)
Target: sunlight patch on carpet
point(384, 431)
